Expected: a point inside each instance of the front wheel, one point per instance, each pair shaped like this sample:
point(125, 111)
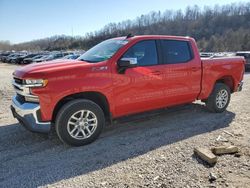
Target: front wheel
point(219, 98)
point(79, 122)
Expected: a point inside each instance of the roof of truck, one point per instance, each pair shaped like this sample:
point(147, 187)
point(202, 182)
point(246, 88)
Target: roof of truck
point(155, 37)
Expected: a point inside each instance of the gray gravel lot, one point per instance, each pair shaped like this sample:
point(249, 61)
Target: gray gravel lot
point(153, 151)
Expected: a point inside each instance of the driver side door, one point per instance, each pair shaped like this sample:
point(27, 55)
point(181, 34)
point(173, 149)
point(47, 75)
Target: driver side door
point(139, 88)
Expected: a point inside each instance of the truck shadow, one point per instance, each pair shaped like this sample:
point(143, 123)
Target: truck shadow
point(31, 160)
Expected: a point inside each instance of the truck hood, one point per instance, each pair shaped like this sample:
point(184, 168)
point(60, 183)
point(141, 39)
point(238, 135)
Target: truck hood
point(40, 70)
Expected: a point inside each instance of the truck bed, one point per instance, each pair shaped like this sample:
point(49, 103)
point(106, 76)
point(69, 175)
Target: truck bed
point(229, 69)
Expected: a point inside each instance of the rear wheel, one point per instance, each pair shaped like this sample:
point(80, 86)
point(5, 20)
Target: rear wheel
point(219, 98)
point(79, 122)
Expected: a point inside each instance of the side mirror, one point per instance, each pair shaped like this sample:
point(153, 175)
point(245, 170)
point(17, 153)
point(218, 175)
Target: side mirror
point(125, 63)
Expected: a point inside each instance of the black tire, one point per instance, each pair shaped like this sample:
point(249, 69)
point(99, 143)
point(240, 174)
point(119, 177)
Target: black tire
point(67, 111)
point(211, 103)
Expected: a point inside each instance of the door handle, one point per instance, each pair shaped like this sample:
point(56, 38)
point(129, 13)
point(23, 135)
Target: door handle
point(194, 69)
point(156, 72)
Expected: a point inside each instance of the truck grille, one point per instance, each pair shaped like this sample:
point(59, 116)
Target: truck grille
point(17, 84)
point(23, 92)
point(18, 81)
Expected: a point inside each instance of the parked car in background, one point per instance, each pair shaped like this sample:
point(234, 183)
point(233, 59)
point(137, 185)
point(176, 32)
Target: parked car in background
point(246, 55)
point(50, 57)
point(4, 55)
point(206, 54)
point(67, 57)
point(19, 59)
point(10, 58)
point(40, 59)
point(14, 59)
point(26, 57)
point(71, 56)
point(31, 59)
point(4, 58)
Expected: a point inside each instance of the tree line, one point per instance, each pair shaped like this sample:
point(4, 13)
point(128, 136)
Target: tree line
point(218, 28)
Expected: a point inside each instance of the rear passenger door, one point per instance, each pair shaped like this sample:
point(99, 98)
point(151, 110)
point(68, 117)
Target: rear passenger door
point(182, 72)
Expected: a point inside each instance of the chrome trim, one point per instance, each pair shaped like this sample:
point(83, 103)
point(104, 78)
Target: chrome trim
point(18, 85)
point(27, 109)
point(24, 91)
point(27, 85)
point(133, 61)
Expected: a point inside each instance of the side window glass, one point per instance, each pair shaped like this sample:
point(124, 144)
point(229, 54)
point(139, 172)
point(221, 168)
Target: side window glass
point(145, 52)
point(176, 51)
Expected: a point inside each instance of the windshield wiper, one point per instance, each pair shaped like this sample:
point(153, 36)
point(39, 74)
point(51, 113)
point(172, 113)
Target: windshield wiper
point(89, 61)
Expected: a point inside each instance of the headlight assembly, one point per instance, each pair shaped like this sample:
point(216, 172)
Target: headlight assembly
point(36, 82)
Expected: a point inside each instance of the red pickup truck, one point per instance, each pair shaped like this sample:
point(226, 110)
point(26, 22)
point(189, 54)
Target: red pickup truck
point(119, 77)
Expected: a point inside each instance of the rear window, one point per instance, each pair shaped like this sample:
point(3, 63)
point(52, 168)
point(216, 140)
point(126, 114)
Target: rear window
point(176, 51)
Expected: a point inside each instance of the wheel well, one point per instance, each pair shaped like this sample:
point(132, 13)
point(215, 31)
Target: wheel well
point(96, 97)
point(228, 80)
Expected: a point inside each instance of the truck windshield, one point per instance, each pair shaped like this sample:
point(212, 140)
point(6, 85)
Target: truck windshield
point(103, 51)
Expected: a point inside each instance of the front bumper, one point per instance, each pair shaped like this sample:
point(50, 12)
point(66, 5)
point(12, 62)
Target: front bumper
point(27, 114)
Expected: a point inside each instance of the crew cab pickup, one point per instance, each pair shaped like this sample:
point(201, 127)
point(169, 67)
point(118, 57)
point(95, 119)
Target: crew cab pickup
point(119, 77)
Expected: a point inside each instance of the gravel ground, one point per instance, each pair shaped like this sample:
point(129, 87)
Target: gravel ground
point(154, 151)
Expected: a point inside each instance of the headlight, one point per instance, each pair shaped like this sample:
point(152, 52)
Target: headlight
point(36, 83)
